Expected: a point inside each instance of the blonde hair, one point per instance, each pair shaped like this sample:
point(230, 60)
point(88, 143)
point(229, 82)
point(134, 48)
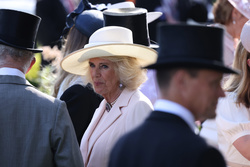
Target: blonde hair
point(222, 11)
point(75, 40)
point(128, 69)
point(240, 84)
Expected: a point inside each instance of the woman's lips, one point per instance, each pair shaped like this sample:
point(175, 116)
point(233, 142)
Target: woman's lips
point(98, 83)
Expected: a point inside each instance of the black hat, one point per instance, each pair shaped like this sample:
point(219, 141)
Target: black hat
point(194, 46)
point(134, 19)
point(89, 21)
point(86, 18)
point(19, 29)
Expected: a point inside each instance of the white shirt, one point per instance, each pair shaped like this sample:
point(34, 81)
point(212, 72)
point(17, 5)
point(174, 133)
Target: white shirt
point(11, 71)
point(233, 122)
point(176, 109)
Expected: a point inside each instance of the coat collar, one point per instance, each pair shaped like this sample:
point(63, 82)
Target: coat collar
point(12, 79)
point(114, 114)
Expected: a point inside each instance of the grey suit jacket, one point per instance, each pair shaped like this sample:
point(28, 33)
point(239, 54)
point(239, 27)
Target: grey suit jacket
point(35, 129)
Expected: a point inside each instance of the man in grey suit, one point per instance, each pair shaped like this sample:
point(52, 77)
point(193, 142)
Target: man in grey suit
point(36, 130)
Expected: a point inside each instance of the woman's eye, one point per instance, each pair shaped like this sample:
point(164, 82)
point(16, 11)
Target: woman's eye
point(104, 66)
point(91, 65)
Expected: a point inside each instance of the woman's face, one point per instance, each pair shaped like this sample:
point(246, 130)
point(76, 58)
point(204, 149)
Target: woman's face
point(242, 20)
point(105, 80)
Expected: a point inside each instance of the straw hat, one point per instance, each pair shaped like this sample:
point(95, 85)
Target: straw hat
point(243, 6)
point(108, 41)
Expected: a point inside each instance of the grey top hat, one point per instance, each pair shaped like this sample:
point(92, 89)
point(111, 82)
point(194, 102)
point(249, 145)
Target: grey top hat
point(19, 29)
point(193, 46)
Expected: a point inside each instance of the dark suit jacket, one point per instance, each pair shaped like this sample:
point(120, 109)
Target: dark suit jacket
point(35, 128)
point(164, 140)
point(81, 103)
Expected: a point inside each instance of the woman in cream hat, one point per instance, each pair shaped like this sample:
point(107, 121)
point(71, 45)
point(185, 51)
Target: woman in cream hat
point(112, 63)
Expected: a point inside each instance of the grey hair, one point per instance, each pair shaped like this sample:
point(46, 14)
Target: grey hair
point(19, 55)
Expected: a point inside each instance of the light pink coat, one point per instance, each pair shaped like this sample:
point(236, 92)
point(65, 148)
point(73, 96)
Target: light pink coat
point(130, 110)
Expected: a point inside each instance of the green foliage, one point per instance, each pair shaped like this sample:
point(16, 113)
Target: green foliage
point(44, 81)
point(47, 79)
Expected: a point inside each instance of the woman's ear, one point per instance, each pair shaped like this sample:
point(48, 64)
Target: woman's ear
point(236, 15)
point(248, 62)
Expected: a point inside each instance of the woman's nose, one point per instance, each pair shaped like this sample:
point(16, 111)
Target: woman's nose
point(96, 72)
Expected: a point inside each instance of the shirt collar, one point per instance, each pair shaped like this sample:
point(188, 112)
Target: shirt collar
point(176, 109)
point(11, 71)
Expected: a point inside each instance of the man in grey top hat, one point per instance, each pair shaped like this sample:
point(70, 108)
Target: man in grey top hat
point(189, 70)
point(36, 130)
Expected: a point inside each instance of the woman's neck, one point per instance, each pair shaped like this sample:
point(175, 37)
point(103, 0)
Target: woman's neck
point(114, 96)
point(231, 29)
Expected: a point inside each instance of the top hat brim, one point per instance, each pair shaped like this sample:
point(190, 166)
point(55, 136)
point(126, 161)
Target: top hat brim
point(190, 46)
point(77, 62)
point(19, 47)
point(192, 63)
point(19, 29)
point(152, 16)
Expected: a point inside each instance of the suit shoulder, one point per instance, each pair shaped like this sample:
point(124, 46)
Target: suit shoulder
point(42, 98)
point(211, 157)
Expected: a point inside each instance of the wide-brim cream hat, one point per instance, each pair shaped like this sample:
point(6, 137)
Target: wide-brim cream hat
point(243, 6)
point(108, 41)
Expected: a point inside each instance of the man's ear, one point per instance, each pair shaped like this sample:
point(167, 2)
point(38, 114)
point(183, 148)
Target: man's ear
point(182, 77)
point(31, 64)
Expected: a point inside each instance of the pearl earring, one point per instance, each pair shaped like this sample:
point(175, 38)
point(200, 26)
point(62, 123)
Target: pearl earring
point(234, 22)
point(120, 86)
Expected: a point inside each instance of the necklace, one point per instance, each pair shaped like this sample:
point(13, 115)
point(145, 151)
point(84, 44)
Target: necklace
point(114, 101)
point(109, 105)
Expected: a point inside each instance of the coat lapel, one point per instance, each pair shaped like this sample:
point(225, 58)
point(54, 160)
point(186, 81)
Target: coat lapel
point(114, 114)
point(115, 111)
point(85, 139)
